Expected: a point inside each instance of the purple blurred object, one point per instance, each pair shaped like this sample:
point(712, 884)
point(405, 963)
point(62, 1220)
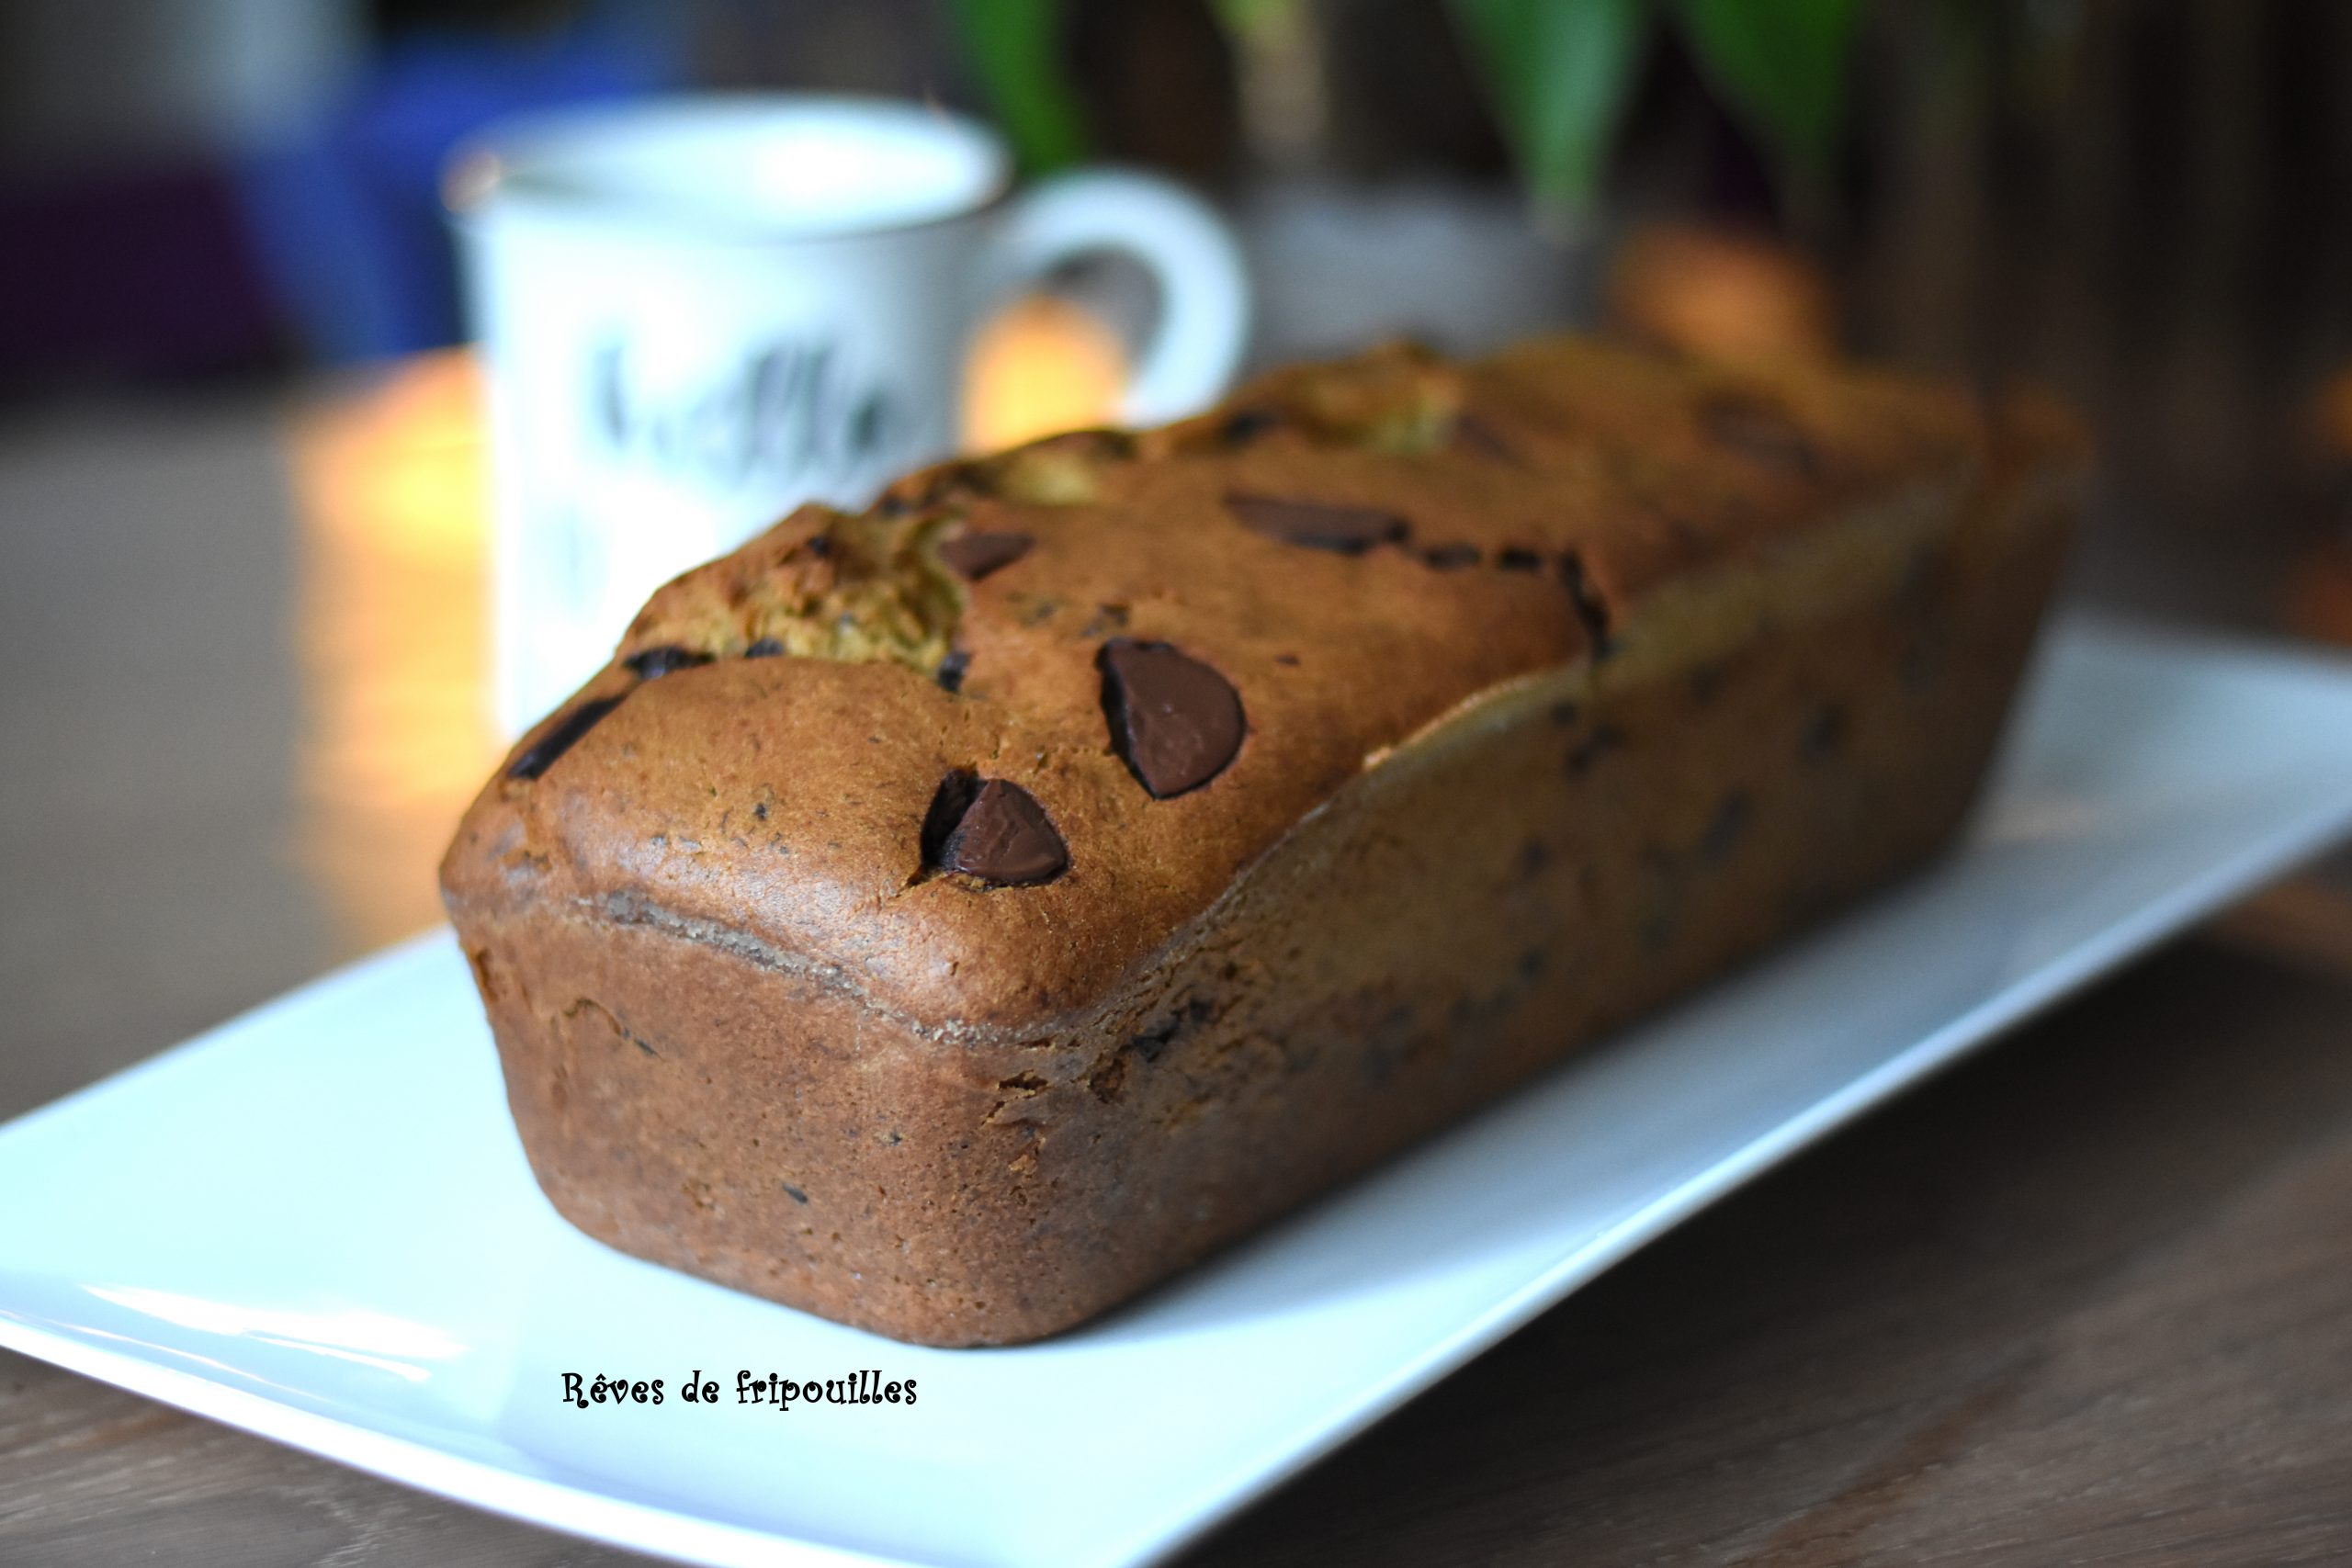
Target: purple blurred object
point(185, 257)
point(349, 221)
point(147, 273)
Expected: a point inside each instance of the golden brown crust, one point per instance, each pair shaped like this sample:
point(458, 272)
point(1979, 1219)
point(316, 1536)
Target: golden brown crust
point(1607, 670)
point(783, 796)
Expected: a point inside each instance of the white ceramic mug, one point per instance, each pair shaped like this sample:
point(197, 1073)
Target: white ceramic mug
point(700, 312)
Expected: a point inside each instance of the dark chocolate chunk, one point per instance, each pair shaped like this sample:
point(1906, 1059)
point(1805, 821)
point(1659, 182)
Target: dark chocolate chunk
point(950, 673)
point(1516, 559)
point(1174, 721)
point(560, 737)
point(1152, 1043)
point(974, 556)
point(993, 830)
point(819, 545)
point(1319, 524)
point(1604, 738)
point(1474, 435)
point(766, 648)
point(1760, 431)
point(948, 803)
point(1918, 664)
point(1725, 828)
point(1106, 619)
point(1593, 611)
point(1824, 733)
point(793, 1192)
point(654, 663)
point(1450, 558)
point(1244, 425)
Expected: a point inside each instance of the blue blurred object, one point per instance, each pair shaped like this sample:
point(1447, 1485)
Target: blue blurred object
point(349, 219)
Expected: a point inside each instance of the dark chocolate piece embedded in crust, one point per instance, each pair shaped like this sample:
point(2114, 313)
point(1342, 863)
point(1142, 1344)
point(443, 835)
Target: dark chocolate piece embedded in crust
point(974, 556)
point(1472, 433)
point(1174, 721)
point(1319, 524)
point(1244, 425)
point(562, 736)
point(993, 830)
point(1760, 431)
point(652, 663)
point(1592, 609)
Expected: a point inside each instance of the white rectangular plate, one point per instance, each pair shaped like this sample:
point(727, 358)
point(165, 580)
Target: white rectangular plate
point(315, 1223)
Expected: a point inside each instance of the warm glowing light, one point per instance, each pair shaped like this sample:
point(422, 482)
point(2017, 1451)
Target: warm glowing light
point(388, 484)
point(1721, 294)
point(1040, 366)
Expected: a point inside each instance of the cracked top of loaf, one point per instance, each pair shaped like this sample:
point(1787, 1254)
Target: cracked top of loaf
point(976, 753)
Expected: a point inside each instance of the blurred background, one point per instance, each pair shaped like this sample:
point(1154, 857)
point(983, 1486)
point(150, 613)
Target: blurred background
point(242, 525)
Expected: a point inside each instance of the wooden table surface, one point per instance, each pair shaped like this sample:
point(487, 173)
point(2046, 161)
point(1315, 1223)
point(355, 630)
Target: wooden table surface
point(2087, 1298)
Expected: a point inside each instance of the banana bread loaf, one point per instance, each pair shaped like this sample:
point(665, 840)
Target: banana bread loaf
point(954, 917)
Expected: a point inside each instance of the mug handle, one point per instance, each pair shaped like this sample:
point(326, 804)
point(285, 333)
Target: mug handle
point(1203, 288)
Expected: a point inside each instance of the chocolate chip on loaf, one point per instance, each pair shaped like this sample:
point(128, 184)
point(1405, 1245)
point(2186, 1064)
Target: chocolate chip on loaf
point(1760, 431)
point(950, 673)
point(652, 663)
point(1245, 426)
point(1593, 611)
point(1174, 721)
point(1450, 558)
point(1319, 525)
point(1604, 739)
point(974, 556)
point(993, 830)
point(1474, 435)
point(560, 737)
point(1824, 734)
point(1106, 619)
point(1726, 828)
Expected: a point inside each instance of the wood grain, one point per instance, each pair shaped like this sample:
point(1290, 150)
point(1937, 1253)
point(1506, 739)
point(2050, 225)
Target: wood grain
point(91, 1477)
point(2088, 1299)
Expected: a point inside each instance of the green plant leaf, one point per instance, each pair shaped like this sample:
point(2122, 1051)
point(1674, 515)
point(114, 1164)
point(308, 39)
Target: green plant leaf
point(1560, 71)
point(1782, 64)
point(1246, 19)
point(1016, 49)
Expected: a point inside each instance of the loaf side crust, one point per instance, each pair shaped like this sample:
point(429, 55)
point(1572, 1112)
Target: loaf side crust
point(1549, 855)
